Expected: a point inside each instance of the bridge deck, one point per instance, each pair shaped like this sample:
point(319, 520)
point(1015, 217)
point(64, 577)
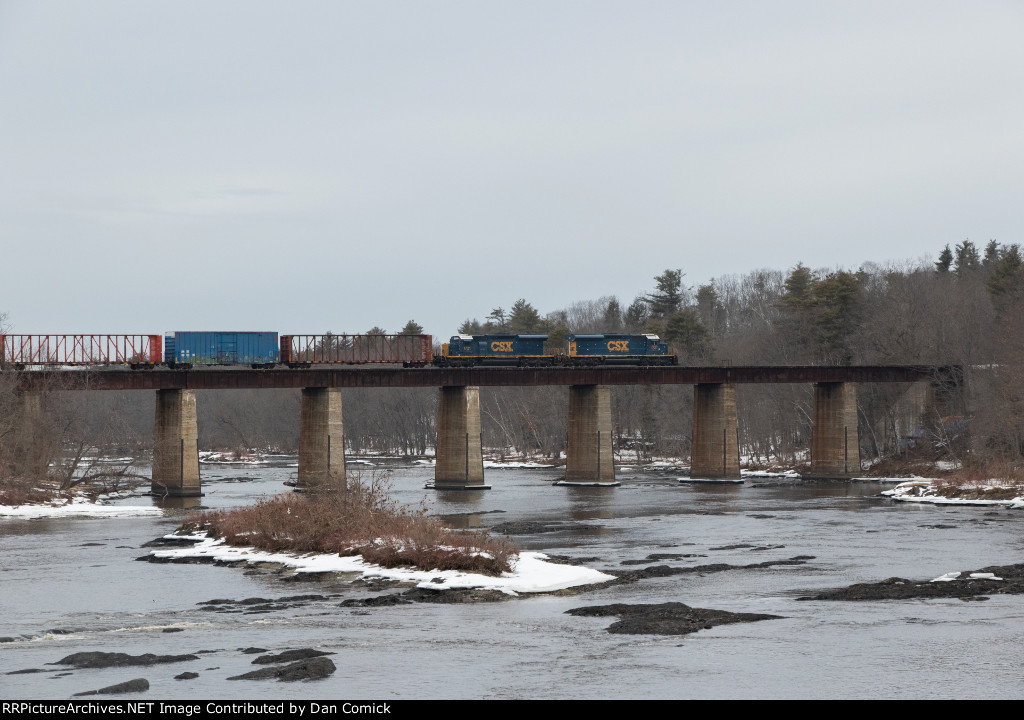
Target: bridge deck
point(345, 377)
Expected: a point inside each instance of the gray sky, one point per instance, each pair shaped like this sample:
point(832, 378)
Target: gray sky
point(311, 166)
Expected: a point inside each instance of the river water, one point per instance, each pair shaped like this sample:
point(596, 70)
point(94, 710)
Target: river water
point(73, 585)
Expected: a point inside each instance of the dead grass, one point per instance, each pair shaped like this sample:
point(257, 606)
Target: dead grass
point(24, 491)
point(65, 480)
point(967, 485)
point(362, 520)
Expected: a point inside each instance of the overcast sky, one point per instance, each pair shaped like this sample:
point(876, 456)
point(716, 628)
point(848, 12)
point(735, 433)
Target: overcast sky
point(334, 165)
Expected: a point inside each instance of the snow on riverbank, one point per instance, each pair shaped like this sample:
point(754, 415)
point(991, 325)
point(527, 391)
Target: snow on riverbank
point(77, 507)
point(923, 490)
point(531, 572)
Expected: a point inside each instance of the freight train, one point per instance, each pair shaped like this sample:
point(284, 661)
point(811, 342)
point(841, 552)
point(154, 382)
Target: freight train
point(268, 349)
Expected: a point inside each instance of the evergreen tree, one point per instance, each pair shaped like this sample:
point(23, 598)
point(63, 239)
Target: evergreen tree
point(471, 327)
point(636, 315)
point(524, 318)
point(669, 296)
point(1007, 273)
point(992, 254)
point(836, 300)
point(709, 308)
point(688, 335)
point(497, 321)
point(613, 316)
point(798, 293)
point(819, 315)
point(945, 260)
point(966, 258)
point(411, 328)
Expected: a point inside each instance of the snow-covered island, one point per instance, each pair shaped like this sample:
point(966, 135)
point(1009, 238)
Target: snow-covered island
point(531, 571)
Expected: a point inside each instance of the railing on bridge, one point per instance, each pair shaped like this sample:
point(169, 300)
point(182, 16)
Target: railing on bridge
point(81, 349)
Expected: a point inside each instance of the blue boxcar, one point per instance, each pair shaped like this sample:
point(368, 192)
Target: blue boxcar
point(611, 346)
point(221, 348)
point(495, 348)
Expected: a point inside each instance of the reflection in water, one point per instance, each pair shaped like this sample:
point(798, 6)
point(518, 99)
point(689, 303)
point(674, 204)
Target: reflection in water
point(462, 498)
point(463, 521)
point(178, 503)
point(590, 503)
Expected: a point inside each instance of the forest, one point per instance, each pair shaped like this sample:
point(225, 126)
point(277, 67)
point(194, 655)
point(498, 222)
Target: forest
point(963, 309)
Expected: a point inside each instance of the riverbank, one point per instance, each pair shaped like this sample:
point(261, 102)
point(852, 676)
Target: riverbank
point(81, 505)
point(944, 492)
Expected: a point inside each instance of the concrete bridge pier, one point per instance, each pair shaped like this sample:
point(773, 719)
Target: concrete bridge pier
point(176, 445)
point(715, 452)
point(30, 441)
point(589, 453)
point(835, 444)
point(321, 439)
point(460, 460)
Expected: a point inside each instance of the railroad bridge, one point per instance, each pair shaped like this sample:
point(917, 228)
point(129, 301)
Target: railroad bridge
point(715, 454)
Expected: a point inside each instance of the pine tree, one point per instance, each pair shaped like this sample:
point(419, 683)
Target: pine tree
point(992, 254)
point(471, 327)
point(1007, 274)
point(709, 308)
point(966, 258)
point(945, 260)
point(688, 335)
point(497, 321)
point(523, 318)
point(636, 315)
point(613, 316)
point(669, 296)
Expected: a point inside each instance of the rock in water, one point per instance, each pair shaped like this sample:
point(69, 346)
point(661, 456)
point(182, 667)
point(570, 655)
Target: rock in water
point(289, 656)
point(105, 659)
point(670, 618)
point(310, 669)
point(131, 686)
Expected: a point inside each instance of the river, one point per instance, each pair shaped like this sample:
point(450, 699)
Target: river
point(73, 584)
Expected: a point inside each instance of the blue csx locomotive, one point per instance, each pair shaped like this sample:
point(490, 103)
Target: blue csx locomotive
point(528, 350)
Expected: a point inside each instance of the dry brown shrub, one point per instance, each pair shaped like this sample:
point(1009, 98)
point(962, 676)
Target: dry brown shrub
point(22, 491)
point(360, 520)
